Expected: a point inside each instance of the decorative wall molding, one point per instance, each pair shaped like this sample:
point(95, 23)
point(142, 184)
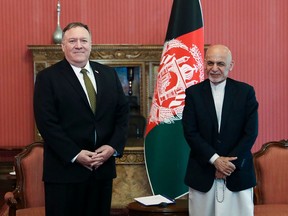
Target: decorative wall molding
point(143, 53)
point(132, 156)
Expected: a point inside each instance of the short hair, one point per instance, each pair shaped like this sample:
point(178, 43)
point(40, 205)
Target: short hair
point(74, 25)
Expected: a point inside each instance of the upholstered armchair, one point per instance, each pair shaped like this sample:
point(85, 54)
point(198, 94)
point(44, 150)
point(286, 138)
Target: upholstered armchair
point(271, 192)
point(28, 196)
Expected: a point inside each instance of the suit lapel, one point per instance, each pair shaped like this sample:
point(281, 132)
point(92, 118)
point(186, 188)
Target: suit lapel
point(228, 102)
point(69, 74)
point(209, 102)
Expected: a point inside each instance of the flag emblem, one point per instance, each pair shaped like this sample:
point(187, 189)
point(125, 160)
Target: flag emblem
point(181, 66)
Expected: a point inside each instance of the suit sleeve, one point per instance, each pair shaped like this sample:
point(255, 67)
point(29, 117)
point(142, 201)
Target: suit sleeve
point(48, 120)
point(198, 145)
point(250, 131)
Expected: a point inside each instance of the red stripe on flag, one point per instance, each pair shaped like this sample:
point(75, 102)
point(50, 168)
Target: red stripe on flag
point(181, 66)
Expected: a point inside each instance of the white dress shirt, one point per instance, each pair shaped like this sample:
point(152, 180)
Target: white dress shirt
point(218, 92)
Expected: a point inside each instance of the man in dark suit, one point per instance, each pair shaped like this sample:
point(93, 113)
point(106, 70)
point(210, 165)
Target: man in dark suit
point(220, 123)
point(80, 141)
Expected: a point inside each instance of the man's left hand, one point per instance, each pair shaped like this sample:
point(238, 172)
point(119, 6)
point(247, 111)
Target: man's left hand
point(103, 154)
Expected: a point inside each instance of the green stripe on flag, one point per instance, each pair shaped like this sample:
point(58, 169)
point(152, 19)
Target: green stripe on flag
point(166, 153)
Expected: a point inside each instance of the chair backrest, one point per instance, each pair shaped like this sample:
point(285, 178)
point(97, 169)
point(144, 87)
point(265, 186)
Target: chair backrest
point(29, 168)
point(271, 163)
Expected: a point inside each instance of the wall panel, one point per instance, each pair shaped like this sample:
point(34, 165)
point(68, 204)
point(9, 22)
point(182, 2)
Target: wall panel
point(256, 31)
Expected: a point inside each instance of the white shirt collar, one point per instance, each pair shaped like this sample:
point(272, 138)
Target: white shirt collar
point(87, 67)
point(218, 87)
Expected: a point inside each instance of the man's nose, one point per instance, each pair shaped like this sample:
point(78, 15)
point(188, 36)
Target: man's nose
point(78, 44)
point(215, 67)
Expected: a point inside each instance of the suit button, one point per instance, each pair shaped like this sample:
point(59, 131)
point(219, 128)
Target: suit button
point(218, 141)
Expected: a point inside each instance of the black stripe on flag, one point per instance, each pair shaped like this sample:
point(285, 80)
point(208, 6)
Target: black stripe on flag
point(186, 16)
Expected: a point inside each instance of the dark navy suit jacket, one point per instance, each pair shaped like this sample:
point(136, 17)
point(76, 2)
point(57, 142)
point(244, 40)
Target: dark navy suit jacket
point(67, 124)
point(238, 132)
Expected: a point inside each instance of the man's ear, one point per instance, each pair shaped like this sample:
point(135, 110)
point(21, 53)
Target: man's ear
point(231, 65)
point(62, 47)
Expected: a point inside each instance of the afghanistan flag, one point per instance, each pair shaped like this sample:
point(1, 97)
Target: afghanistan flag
point(166, 151)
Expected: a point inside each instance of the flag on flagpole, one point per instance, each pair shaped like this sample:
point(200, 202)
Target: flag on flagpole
point(181, 65)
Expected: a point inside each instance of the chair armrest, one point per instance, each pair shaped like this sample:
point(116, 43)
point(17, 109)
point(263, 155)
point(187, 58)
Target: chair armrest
point(257, 196)
point(12, 202)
